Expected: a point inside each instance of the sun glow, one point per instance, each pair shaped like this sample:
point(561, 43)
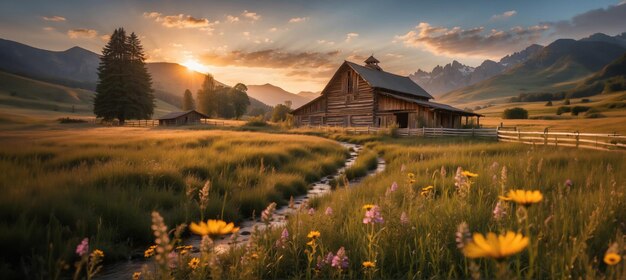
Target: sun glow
point(194, 65)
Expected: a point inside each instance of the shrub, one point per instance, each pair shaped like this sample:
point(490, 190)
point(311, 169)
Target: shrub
point(256, 121)
point(70, 120)
point(566, 102)
point(563, 109)
point(515, 113)
point(579, 109)
point(585, 100)
point(549, 103)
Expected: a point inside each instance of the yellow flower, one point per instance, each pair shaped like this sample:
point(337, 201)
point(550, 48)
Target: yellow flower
point(368, 264)
point(136, 275)
point(411, 175)
point(469, 174)
point(149, 252)
point(525, 198)
point(254, 256)
point(97, 254)
point(612, 258)
point(311, 243)
point(213, 227)
point(368, 207)
point(313, 234)
point(183, 252)
point(193, 263)
point(495, 246)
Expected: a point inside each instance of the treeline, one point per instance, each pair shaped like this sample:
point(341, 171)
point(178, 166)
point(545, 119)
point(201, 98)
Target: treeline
point(586, 90)
point(218, 101)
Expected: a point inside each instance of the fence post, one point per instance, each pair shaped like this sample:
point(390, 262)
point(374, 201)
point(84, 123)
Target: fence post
point(577, 138)
point(545, 137)
point(519, 135)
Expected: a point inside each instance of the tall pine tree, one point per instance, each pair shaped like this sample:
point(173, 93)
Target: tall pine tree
point(124, 89)
point(188, 103)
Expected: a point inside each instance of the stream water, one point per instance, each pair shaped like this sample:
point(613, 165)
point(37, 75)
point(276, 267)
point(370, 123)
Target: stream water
point(125, 269)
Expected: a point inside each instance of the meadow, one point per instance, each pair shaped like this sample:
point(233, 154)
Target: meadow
point(414, 220)
point(61, 183)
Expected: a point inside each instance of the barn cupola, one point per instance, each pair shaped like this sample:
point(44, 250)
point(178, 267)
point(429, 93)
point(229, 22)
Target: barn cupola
point(372, 62)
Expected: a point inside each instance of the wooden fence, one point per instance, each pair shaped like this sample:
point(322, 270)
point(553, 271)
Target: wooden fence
point(596, 141)
point(425, 132)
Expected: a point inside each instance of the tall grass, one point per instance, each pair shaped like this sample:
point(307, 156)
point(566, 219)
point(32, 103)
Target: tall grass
point(60, 186)
point(569, 231)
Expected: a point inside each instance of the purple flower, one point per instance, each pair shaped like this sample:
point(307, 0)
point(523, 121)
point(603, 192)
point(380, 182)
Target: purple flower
point(321, 263)
point(373, 216)
point(569, 183)
point(282, 241)
point(340, 260)
point(329, 211)
point(403, 218)
point(83, 247)
point(394, 187)
point(284, 234)
point(499, 211)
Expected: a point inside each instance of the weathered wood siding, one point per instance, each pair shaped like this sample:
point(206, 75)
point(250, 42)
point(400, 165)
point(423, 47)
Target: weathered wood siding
point(349, 104)
point(419, 116)
point(312, 113)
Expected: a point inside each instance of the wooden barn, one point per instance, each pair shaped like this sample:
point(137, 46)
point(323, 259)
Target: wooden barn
point(181, 118)
point(366, 95)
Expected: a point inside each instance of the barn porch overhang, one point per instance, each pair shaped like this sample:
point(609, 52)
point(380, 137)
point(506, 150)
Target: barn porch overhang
point(432, 105)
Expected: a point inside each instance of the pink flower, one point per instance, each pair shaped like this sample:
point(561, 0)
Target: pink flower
point(311, 211)
point(373, 216)
point(394, 187)
point(329, 211)
point(340, 260)
point(403, 218)
point(282, 241)
point(83, 247)
point(569, 183)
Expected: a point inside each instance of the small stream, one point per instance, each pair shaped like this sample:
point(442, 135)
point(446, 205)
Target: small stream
point(125, 269)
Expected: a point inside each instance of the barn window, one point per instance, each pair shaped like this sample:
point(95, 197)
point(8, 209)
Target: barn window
point(349, 83)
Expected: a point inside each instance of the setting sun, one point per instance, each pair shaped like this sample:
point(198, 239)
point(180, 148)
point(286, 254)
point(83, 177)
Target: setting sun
point(194, 65)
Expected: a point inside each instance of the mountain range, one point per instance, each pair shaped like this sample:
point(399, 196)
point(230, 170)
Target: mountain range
point(273, 95)
point(76, 68)
point(558, 67)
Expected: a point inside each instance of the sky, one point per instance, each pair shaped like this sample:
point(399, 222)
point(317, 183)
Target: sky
point(298, 44)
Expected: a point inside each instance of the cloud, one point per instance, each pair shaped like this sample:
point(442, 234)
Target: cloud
point(273, 29)
point(610, 20)
point(298, 19)
point(82, 33)
point(181, 21)
point(394, 55)
point(324, 42)
point(272, 58)
point(49, 28)
point(105, 37)
point(232, 19)
point(54, 18)
point(350, 36)
point(504, 15)
point(251, 15)
point(470, 42)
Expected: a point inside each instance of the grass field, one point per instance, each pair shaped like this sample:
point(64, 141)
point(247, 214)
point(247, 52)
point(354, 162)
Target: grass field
point(579, 218)
point(63, 183)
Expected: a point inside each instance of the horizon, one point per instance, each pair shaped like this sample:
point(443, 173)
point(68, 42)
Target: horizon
point(299, 46)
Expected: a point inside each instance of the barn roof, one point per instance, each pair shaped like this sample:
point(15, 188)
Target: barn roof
point(173, 115)
point(430, 104)
point(389, 81)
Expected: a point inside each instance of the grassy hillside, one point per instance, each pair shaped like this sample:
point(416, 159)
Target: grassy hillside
point(23, 94)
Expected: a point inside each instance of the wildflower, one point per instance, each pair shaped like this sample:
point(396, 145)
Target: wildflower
point(368, 206)
point(311, 211)
point(281, 242)
point(254, 256)
point(162, 239)
point(172, 258)
point(402, 167)
point(426, 191)
point(403, 218)
point(499, 211)
point(193, 263)
point(469, 174)
point(459, 179)
point(462, 235)
point(329, 258)
point(149, 252)
point(83, 247)
point(213, 227)
point(373, 216)
point(97, 254)
point(523, 197)
point(394, 187)
point(206, 243)
point(329, 211)
point(368, 264)
point(313, 234)
point(569, 183)
point(411, 176)
point(495, 246)
point(266, 215)
point(136, 275)
point(611, 257)
point(340, 260)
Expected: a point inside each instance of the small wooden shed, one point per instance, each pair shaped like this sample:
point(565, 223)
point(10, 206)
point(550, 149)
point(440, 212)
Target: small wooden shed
point(182, 118)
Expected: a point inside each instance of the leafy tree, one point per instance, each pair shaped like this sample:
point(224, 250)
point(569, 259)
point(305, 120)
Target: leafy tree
point(223, 104)
point(206, 96)
point(515, 113)
point(239, 99)
point(124, 89)
point(188, 102)
point(281, 112)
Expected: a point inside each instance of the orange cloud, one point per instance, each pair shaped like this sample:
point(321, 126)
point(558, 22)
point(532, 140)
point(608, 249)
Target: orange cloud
point(82, 33)
point(251, 15)
point(272, 58)
point(350, 36)
point(54, 18)
point(181, 21)
point(298, 19)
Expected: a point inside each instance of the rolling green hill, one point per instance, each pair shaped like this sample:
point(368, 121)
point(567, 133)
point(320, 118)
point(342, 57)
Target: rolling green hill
point(611, 78)
point(558, 67)
point(25, 93)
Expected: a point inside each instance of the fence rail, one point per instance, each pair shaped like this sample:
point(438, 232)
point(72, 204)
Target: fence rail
point(596, 141)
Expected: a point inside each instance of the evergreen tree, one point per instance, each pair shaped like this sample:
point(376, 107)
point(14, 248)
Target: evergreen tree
point(239, 99)
point(124, 88)
point(188, 102)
